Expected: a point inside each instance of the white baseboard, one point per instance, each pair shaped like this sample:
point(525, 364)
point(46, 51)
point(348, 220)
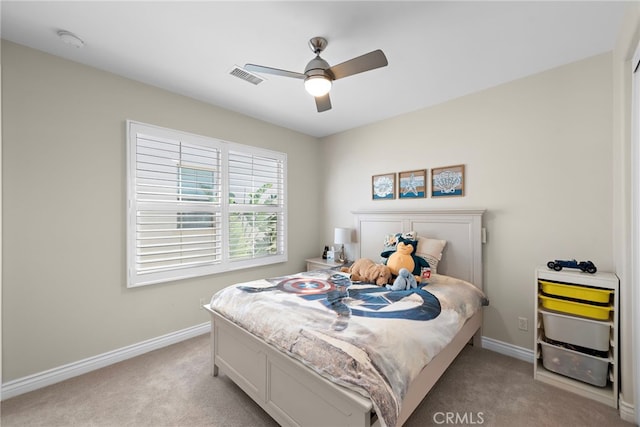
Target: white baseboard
point(42, 379)
point(627, 410)
point(508, 349)
point(55, 375)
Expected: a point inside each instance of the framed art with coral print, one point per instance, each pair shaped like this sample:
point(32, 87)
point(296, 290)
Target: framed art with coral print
point(447, 181)
point(383, 187)
point(412, 184)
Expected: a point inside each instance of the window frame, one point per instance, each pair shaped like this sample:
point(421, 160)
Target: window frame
point(135, 278)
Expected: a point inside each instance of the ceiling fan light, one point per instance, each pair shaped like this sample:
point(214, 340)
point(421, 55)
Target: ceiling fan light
point(317, 85)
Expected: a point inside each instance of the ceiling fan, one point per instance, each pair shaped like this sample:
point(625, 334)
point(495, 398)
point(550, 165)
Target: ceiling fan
point(318, 75)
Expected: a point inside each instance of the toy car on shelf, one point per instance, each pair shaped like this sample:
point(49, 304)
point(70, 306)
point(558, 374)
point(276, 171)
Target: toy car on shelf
point(584, 266)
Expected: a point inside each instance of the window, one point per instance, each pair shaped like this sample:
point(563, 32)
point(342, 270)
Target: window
point(198, 183)
point(180, 225)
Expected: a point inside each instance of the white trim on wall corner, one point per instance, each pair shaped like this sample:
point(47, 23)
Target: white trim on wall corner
point(508, 349)
point(627, 410)
point(635, 222)
point(42, 379)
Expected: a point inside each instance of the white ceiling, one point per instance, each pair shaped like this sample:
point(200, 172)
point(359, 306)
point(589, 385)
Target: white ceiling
point(436, 50)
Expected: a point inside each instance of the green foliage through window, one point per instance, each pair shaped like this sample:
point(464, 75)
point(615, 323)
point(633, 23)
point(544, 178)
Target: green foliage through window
point(253, 234)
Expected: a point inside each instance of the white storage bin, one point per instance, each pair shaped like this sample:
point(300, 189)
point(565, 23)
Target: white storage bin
point(583, 367)
point(578, 331)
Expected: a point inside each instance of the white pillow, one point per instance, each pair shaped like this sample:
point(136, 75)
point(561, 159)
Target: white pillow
point(431, 250)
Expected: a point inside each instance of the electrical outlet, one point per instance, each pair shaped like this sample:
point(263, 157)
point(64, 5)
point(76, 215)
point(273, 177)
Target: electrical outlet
point(203, 301)
point(523, 324)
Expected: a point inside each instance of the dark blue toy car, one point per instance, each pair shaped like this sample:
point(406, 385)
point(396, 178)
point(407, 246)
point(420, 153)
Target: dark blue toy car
point(584, 266)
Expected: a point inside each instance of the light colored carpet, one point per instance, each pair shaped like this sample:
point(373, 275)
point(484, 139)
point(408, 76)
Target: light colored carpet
point(172, 387)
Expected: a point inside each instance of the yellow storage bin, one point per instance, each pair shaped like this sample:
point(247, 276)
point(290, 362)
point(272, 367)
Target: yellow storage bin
point(575, 291)
point(577, 308)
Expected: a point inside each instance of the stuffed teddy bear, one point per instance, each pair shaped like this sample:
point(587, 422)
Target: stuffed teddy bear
point(404, 281)
point(365, 270)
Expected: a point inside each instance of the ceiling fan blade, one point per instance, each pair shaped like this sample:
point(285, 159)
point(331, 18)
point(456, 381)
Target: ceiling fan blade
point(268, 70)
point(323, 103)
point(366, 62)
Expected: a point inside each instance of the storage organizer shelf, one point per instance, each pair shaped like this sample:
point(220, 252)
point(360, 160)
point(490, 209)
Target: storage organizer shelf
point(575, 292)
point(576, 339)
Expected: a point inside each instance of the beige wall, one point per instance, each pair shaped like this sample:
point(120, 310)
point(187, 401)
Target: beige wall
point(64, 189)
point(538, 156)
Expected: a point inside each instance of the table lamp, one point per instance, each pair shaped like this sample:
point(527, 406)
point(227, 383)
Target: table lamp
point(341, 237)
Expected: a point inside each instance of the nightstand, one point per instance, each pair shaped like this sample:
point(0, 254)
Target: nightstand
point(321, 264)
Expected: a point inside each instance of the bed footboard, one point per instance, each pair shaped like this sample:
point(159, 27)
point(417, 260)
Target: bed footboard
point(294, 395)
point(288, 391)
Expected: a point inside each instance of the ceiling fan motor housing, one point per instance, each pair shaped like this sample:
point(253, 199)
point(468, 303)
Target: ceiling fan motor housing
point(318, 67)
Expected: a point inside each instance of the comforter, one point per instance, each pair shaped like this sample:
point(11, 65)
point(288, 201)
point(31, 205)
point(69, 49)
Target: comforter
point(364, 337)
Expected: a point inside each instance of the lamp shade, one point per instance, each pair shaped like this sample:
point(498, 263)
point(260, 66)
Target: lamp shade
point(342, 236)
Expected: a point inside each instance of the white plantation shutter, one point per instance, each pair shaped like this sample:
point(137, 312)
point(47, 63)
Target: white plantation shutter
point(181, 225)
point(256, 205)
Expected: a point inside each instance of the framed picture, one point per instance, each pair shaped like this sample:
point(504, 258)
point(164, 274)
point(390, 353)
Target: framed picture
point(412, 184)
point(383, 187)
point(447, 181)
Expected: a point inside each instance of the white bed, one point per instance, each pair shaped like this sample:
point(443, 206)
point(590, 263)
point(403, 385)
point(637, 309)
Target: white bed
point(295, 395)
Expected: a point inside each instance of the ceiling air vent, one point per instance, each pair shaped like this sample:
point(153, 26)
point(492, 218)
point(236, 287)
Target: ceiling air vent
point(245, 75)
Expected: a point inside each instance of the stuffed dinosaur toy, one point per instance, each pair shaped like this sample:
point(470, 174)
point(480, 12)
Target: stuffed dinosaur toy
point(404, 281)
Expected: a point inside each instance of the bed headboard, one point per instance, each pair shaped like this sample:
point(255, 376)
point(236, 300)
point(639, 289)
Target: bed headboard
point(461, 228)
